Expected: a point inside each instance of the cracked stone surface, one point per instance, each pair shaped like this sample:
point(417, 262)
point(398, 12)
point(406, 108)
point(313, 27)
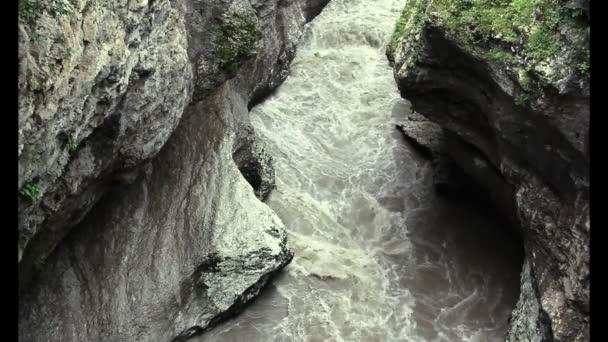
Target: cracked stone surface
point(141, 226)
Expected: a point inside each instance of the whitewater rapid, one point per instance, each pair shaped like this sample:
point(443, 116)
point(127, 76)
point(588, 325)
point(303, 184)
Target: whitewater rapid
point(378, 257)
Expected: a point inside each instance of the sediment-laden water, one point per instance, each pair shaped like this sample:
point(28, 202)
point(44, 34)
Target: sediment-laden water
point(378, 256)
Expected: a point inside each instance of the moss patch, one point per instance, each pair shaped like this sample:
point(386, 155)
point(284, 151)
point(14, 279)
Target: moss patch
point(534, 24)
point(237, 40)
point(543, 37)
point(30, 191)
point(31, 10)
point(33, 84)
point(73, 143)
point(524, 78)
point(411, 21)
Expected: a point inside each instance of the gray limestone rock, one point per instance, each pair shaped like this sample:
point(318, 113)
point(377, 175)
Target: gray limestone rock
point(255, 164)
point(136, 223)
point(101, 89)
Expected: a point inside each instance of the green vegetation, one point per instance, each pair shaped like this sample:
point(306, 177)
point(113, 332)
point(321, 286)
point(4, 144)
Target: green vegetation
point(30, 10)
point(524, 78)
point(134, 76)
point(499, 55)
point(584, 67)
point(73, 143)
point(236, 40)
point(399, 30)
point(542, 44)
point(33, 84)
point(534, 25)
point(30, 191)
point(522, 99)
point(411, 20)
point(537, 38)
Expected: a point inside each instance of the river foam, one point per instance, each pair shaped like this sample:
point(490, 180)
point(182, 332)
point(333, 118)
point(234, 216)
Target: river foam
point(378, 256)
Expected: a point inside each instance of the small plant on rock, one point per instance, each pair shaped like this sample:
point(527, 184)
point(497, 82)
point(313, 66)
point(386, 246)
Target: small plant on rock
point(500, 56)
point(237, 40)
point(69, 52)
point(522, 99)
point(134, 76)
point(33, 84)
point(30, 191)
point(31, 10)
point(73, 143)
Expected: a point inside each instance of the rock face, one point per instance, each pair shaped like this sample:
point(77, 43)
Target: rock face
point(135, 221)
point(456, 171)
point(102, 85)
point(519, 126)
point(255, 165)
point(430, 140)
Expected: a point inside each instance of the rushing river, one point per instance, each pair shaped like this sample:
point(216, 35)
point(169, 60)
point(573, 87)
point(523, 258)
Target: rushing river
point(378, 256)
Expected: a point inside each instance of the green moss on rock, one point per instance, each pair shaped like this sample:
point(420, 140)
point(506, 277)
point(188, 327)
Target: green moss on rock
point(542, 36)
point(409, 23)
point(73, 143)
point(30, 191)
point(31, 10)
point(500, 56)
point(237, 40)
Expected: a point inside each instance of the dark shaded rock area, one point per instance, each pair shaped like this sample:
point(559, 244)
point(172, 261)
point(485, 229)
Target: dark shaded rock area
point(531, 158)
point(456, 172)
point(429, 140)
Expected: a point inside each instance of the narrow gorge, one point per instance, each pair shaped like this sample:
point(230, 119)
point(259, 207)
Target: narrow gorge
point(303, 170)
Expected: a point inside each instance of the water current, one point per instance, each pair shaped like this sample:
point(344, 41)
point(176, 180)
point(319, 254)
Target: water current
point(379, 256)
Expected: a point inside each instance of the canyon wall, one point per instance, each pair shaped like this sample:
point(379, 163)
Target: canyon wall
point(504, 88)
point(138, 168)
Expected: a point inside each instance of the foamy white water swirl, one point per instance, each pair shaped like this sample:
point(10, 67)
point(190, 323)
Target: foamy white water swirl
point(378, 256)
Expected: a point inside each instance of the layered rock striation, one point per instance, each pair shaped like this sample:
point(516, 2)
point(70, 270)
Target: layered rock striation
point(508, 83)
point(138, 168)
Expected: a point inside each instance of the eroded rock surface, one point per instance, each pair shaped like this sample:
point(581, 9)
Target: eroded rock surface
point(430, 140)
point(255, 164)
point(516, 120)
point(135, 221)
point(102, 86)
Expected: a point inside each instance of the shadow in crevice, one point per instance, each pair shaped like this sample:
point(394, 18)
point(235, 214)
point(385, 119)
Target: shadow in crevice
point(466, 254)
point(255, 164)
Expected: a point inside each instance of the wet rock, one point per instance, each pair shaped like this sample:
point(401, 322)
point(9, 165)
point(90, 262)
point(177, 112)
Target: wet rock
point(431, 141)
point(528, 321)
point(530, 154)
point(135, 222)
point(255, 164)
point(428, 139)
point(424, 134)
